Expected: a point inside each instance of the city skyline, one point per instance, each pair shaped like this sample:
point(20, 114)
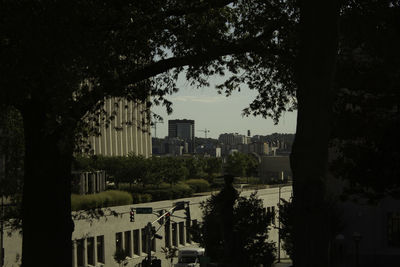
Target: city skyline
point(217, 113)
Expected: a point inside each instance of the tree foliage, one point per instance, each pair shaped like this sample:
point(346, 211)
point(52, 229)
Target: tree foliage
point(240, 164)
point(245, 246)
point(366, 109)
point(11, 151)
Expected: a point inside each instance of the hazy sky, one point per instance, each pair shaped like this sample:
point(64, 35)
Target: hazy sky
point(219, 114)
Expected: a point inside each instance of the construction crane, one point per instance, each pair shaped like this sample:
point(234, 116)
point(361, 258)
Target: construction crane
point(205, 131)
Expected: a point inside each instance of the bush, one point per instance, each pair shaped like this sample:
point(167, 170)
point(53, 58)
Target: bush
point(198, 185)
point(141, 198)
point(181, 190)
point(160, 194)
point(100, 200)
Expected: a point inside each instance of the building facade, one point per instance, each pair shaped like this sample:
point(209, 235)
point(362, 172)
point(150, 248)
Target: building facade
point(129, 131)
point(183, 129)
point(233, 139)
point(95, 240)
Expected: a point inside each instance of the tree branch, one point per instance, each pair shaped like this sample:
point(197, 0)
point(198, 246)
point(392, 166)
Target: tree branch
point(251, 44)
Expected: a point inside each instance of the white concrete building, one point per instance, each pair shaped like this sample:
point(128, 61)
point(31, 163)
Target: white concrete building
point(96, 240)
point(129, 132)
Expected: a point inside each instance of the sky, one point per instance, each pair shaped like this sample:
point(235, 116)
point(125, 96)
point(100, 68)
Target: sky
point(218, 113)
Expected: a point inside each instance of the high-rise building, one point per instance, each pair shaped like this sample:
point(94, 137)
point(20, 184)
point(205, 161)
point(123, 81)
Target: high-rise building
point(128, 132)
point(183, 129)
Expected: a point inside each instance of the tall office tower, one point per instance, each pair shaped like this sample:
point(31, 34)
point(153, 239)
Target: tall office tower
point(129, 132)
point(183, 129)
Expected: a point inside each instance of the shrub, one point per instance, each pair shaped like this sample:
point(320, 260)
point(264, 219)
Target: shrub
point(181, 190)
point(167, 192)
point(100, 200)
point(160, 194)
point(198, 185)
point(141, 198)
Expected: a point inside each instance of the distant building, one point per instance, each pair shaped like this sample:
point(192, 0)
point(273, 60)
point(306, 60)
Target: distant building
point(233, 139)
point(128, 132)
point(275, 168)
point(261, 148)
point(183, 129)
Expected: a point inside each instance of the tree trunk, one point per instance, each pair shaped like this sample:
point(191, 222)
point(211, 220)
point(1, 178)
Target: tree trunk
point(315, 74)
point(46, 206)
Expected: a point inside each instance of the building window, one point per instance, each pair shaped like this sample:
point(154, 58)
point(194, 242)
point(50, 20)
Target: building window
point(181, 233)
point(393, 224)
point(167, 235)
point(80, 249)
point(194, 227)
point(100, 249)
point(174, 235)
point(136, 242)
point(118, 241)
point(144, 243)
point(188, 232)
point(90, 250)
point(128, 243)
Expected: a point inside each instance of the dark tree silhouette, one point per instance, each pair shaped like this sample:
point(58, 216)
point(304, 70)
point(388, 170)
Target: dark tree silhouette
point(225, 231)
point(61, 59)
point(366, 118)
point(315, 72)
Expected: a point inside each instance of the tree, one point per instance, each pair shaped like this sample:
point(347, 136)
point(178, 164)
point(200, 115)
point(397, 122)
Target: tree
point(315, 72)
point(212, 167)
point(225, 231)
point(170, 253)
point(174, 170)
point(237, 164)
point(252, 165)
point(60, 59)
point(366, 117)
point(11, 151)
point(286, 219)
point(195, 166)
point(240, 164)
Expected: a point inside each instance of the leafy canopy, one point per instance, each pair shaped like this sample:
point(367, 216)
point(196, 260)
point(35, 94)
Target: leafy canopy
point(250, 246)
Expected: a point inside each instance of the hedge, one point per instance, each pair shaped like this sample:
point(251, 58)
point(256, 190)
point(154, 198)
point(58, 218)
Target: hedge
point(176, 191)
point(104, 199)
point(141, 198)
point(198, 185)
